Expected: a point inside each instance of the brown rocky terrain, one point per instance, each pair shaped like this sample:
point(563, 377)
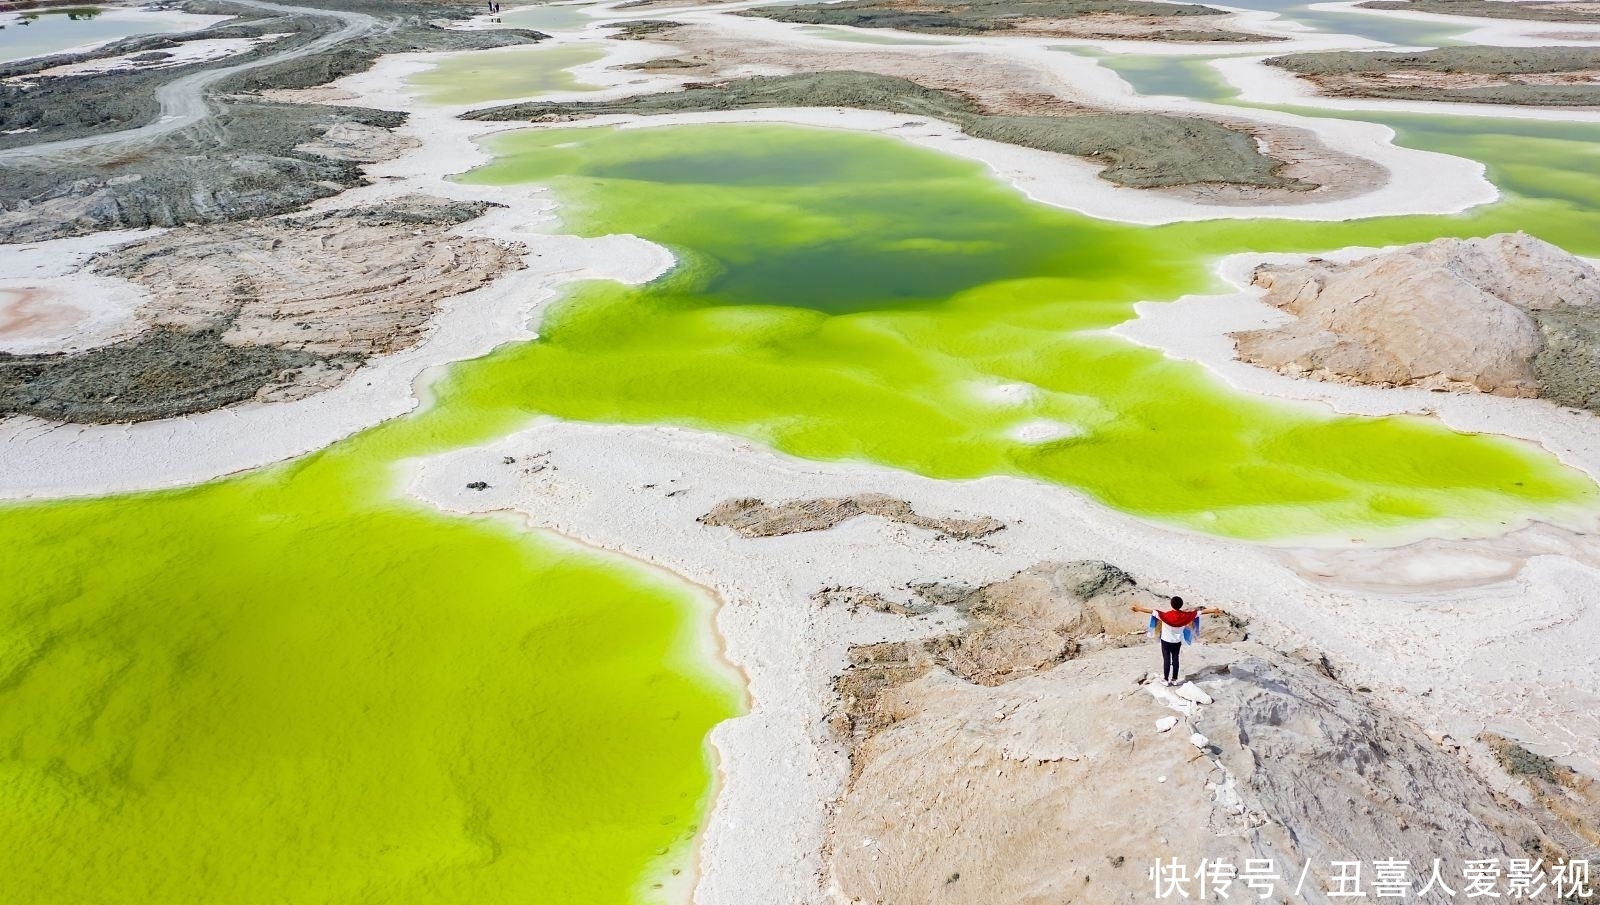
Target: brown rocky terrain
point(755, 518)
point(1028, 758)
point(1508, 314)
point(267, 309)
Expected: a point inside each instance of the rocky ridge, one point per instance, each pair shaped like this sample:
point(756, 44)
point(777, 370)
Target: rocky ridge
point(1508, 314)
point(1030, 757)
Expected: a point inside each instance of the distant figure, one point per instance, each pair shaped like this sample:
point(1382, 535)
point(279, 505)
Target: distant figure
point(1178, 627)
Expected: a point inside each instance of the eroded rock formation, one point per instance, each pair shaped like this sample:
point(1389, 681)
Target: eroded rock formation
point(755, 518)
point(268, 309)
point(1029, 759)
point(1508, 314)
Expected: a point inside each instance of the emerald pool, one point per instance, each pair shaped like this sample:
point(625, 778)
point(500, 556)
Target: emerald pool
point(293, 687)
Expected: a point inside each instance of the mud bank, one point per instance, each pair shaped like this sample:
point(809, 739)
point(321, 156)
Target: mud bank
point(1139, 150)
point(1524, 76)
point(1085, 19)
point(272, 310)
point(1508, 314)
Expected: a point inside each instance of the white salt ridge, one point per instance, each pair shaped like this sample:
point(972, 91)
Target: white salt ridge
point(1044, 430)
point(1008, 394)
point(197, 51)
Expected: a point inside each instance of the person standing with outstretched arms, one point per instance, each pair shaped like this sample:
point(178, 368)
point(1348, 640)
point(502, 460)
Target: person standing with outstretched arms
point(1178, 627)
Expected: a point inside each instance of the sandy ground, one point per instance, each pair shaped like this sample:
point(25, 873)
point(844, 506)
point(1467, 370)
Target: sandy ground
point(1508, 621)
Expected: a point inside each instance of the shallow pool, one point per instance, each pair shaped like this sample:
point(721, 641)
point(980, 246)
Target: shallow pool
point(47, 31)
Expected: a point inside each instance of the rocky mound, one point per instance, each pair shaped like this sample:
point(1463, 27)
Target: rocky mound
point(1064, 778)
point(1508, 314)
point(755, 518)
point(268, 309)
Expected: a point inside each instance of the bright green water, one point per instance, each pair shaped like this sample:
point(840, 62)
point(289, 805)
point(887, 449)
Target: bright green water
point(858, 315)
point(292, 687)
point(475, 78)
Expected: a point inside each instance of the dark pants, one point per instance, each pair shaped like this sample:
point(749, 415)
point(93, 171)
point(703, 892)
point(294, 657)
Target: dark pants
point(1169, 659)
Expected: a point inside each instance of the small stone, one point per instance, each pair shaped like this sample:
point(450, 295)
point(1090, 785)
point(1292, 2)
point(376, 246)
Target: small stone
point(478, 485)
point(1199, 741)
point(1161, 779)
point(1191, 692)
point(508, 460)
point(1166, 723)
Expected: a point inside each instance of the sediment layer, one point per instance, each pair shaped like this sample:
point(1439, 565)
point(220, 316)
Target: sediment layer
point(1143, 150)
point(1562, 11)
point(1524, 76)
point(250, 158)
point(1508, 315)
point(1088, 19)
point(1030, 756)
point(265, 310)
